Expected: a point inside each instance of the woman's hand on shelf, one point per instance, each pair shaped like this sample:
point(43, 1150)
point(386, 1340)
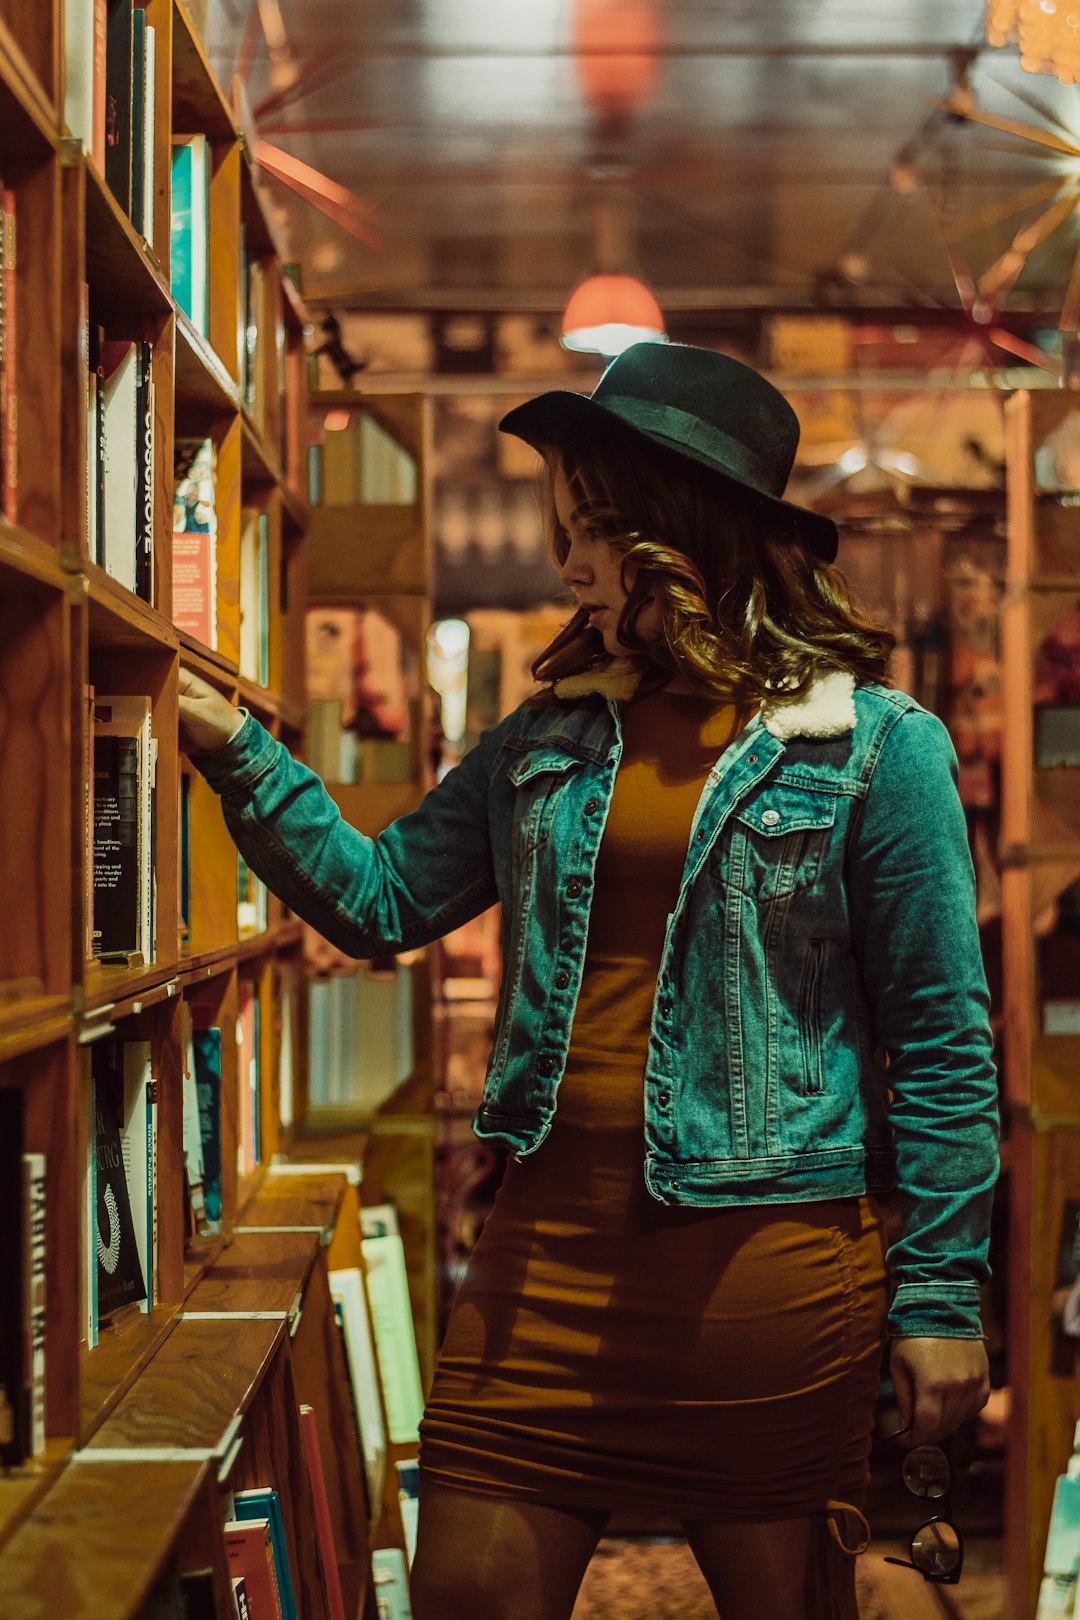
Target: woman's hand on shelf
point(207, 720)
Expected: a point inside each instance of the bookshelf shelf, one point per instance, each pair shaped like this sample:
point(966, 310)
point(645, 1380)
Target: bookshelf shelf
point(120, 620)
point(110, 1369)
point(202, 379)
point(24, 556)
point(118, 992)
point(260, 467)
point(125, 278)
point(199, 104)
point(29, 1021)
point(23, 1487)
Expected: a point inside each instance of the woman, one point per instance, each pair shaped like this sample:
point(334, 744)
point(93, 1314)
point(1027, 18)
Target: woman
point(735, 886)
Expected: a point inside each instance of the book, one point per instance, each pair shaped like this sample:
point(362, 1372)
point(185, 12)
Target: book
point(120, 1281)
point(250, 1556)
point(13, 1439)
point(247, 1116)
point(263, 1502)
point(123, 822)
point(189, 236)
point(252, 898)
point(138, 1138)
point(144, 472)
point(149, 129)
point(9, 360)
point(119, 378)
point(390, 1579)
point(240, 1598)
point(192, 1136)
point(391, 1314)
point(89, 1221)
point(185, 859)
point(139, 110)
point(84, 75)
point(95, 440)
point(34, 1279)
point(194, 571)
point(408, 1479)
point(118, 87)
point(353, 1313)
point(206, 1045)
point(287, 995)
point(255, 596)
point(325, 1532)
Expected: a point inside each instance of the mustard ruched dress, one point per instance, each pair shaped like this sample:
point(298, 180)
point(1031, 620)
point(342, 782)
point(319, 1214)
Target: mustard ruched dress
point(606, 1351)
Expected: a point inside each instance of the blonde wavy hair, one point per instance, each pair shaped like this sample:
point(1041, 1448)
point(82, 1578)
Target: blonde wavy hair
point(746, 610)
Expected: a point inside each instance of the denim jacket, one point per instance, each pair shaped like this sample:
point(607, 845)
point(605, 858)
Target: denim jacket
point(820, 1023)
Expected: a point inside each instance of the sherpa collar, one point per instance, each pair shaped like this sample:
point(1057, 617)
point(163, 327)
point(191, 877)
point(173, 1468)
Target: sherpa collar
point(826, 709)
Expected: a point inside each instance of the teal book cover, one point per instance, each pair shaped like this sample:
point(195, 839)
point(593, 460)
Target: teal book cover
point(263, 1503)
point(180, 239)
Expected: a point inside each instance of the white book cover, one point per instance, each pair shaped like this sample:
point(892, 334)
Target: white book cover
point(286, 1073)
point(137, 1146)
point(79, 72)
point(34, 1300)
point(347, 1289)
point(89, 1249)
point(193, 1146)
point(391, 1312)
point(121, 437)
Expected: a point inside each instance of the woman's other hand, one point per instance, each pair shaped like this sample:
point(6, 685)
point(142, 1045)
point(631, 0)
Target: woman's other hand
point(207, 720)
point(939, 1384)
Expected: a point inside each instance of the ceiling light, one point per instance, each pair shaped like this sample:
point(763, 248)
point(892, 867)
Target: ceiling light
point(606, 313)
point(1048, 32)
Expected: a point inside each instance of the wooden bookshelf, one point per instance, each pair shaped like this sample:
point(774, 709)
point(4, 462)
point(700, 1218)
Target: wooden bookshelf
point(82, 1533)
point(1040, 847)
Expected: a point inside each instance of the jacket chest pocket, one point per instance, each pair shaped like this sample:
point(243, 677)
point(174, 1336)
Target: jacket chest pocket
point(778, 843)
point(536, 778)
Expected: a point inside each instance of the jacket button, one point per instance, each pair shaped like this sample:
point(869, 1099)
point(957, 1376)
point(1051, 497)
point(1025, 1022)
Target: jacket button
point(546, 1066)
point(562, 980)
point(751, 759)
point(665, 1009)
point(674, 1186)
point(664, 1098)
point(573, 888)
point(701, 836)
point(591, 806)
point(769, 818)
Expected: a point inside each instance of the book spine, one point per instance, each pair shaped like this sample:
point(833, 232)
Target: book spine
point(138, 117)
point(149, 136)
point(13, 1252)
point(34, 1300)
point(328, 1556)
point(144, 493)
point(100, 95)
point(118, 101)
point(9, 403)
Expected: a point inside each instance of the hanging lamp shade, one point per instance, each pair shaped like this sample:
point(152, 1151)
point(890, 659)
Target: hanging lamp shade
point(606, 313)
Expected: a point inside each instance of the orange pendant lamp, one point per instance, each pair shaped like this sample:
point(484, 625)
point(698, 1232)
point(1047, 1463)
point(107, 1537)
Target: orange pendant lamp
point(611, 309)
point(608, 312)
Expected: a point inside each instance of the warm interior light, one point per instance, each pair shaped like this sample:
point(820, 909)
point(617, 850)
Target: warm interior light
point(1048, 32)
point(607, 313)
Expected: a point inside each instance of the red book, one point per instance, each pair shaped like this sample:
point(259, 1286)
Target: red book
point(9, 380)
point(327, 1552)
point(251, 1557)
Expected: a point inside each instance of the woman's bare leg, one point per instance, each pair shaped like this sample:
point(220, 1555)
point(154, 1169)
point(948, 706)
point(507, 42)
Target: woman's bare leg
point(754, 1570)
point(489, 1558)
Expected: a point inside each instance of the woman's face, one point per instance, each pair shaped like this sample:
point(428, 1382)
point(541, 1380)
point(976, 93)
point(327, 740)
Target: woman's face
point(595, 571)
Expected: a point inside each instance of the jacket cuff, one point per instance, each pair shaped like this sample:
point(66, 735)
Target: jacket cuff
point(242, 760)
point(945, 1311)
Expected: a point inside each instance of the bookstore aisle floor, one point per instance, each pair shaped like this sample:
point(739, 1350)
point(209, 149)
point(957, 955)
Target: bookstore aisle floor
point(659, 1580)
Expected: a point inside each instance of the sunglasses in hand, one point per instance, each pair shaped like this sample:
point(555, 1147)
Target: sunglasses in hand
point(937, 1547)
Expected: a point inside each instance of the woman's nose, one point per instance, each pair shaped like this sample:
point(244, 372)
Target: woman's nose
point(574, 569)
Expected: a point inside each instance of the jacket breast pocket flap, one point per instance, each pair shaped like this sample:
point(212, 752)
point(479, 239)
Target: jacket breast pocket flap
point(782, 810)
point(541, 762)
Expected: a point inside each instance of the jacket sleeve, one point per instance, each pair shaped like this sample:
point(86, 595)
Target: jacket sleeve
point(912, 895)
point(424, 875)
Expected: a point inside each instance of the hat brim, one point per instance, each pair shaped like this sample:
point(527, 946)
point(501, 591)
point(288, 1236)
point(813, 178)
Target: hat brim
point(550, 420)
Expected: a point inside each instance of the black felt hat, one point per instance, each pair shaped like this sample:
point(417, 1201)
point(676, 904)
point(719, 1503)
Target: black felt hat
point(700, 404)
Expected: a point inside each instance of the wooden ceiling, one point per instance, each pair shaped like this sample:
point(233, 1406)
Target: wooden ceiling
point(757, 154)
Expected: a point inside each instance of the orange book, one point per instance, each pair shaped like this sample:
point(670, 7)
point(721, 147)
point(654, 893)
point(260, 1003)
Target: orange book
point(251, 1557)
